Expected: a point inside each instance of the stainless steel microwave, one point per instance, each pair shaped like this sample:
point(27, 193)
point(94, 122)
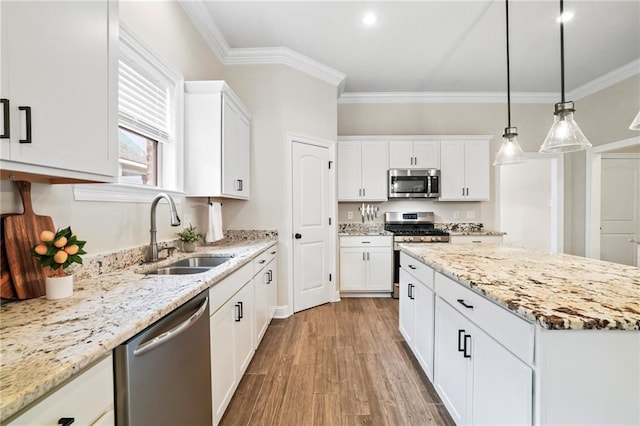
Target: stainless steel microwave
point(414, 183)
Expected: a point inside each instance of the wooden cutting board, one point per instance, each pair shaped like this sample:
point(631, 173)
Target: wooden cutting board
point(21, 233)
point(6, 284)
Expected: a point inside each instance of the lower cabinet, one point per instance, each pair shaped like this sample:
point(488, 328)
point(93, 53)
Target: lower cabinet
point(231, 347)
point(85, 400)
point(479, 381)
point(266, 292)
point(476, 239)
point(366, 264)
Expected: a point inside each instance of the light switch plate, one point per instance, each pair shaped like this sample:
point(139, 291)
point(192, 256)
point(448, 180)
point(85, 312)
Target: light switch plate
point(349, 215)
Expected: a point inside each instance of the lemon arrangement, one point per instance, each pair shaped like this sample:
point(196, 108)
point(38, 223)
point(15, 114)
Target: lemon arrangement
point(56, 252)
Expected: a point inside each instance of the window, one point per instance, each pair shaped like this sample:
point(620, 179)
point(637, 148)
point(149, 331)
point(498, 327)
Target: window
point(148, 100)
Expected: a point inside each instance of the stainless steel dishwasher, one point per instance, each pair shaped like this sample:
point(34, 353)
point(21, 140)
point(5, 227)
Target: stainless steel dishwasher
point(163, 374)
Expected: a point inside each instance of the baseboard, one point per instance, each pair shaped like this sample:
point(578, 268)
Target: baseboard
point(386, 294)
point(282, 312)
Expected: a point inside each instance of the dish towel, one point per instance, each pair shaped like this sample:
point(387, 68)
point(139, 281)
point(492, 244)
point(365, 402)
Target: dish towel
point(214, 232)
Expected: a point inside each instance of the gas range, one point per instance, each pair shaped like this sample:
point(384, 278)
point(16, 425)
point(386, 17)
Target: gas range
point(415, 227)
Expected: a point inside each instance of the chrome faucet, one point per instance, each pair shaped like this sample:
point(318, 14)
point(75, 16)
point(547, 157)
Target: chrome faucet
point(152, 253)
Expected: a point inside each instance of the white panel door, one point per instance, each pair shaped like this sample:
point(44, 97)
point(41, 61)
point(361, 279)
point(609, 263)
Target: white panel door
point(230, 152)
point(311, 211)
point(400, 154)
point(349, 171)
point(476, 166)
point(375, 164)
point(452, 170)
point(620, 210)
point(426, 154)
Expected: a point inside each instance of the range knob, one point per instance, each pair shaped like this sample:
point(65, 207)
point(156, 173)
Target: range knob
point(437, 238)
point(421, 238)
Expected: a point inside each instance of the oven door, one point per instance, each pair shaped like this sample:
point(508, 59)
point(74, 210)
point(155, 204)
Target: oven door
point(405, 183)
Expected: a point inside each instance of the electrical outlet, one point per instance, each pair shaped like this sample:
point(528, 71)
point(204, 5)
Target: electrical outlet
point(456, 214)
point(349, 215)
point(471, 214)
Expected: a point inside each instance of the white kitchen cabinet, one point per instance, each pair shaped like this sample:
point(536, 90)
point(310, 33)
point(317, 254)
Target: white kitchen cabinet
point(408, 154)
point(59, 89)
point(217, 141)
point(265, 283)
point(464, 170)
point(366, 264)
point(362, 170)
point(231, 330)
point(87, 399)
point(475, 239)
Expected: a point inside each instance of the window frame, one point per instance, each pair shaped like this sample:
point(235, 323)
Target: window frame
point(170, 155)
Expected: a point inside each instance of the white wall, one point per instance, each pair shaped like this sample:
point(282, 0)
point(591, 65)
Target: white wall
point(165, 28)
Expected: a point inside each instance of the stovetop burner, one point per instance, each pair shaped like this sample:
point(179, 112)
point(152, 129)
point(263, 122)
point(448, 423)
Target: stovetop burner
point(414, 227)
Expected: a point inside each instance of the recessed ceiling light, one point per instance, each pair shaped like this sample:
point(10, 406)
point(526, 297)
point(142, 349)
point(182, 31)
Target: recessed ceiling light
point(369, 19)
point(566, 17)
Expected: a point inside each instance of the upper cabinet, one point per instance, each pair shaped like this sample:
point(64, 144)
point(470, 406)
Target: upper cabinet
point(464, 170)
point(217, 142)
point(362, 170)
point(59, 90)
point(407, 154)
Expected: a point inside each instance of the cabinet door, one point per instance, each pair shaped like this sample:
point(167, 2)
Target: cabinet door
point(224, 375)
point(400, 154)
point(244, 155)
point(426, 154)
point(452, 170)
point(502, 384)
point(352, 268)
point(243, 333)
point(349, 170)
point(452, 370)
point(423, 341)
point(261, 304)
point(273, 287)
point(230, 150)
point(407, 306)
point(379, 268)
point(476, 165)
point(375, 164)
point(56, 60)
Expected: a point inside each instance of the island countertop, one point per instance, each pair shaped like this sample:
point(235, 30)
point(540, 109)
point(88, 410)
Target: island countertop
point(45, 342)
point(556, 291)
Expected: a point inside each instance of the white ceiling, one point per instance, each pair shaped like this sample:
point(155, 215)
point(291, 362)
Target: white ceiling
point(442, 46)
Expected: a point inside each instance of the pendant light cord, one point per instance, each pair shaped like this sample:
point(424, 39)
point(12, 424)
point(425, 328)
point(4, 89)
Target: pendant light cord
point(562, 49)
point(508, 70)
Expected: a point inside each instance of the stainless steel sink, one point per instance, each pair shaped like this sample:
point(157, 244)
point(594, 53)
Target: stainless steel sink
point(178, 270)
point(209, 261)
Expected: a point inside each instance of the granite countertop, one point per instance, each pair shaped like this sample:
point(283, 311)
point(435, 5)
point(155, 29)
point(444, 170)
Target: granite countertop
point(556, 291)
point(362, 233)
point(44, 342)
point(482, 233)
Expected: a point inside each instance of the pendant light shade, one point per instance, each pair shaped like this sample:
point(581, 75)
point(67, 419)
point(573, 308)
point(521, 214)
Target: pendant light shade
point(565, 135)
point(635, 124)
point(510, 151)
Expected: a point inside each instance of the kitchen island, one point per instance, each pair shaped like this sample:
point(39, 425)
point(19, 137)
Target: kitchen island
point(44, 343)
point(522, 336)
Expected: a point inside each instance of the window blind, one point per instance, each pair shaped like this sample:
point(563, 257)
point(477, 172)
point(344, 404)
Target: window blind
point(144, 101)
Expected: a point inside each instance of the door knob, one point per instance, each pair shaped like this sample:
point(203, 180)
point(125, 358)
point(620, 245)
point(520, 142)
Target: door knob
point(298, 236)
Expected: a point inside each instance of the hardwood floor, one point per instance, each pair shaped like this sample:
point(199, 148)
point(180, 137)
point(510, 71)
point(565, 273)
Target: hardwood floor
point(341, 363)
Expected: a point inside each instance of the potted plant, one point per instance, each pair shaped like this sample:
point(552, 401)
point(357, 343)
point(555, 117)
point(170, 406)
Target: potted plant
point(189, 238)
point(56, 252)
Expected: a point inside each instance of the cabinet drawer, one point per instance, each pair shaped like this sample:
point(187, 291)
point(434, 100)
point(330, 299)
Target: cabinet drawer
point(365, 241)
point(263, 259)
point(476, 239)
point(512, 332)
point(88, 398)
point(225, 289)
point(419, 270)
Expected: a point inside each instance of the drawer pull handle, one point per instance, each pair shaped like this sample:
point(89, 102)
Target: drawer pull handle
point(27, 111)
point(6, 132)
point(461, 301)
point(66, 421)
point(261, 261)
point(460, 340)
point(412, 267)
point(273, 252)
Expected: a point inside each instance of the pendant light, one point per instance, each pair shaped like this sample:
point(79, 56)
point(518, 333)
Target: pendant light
point(510, 151)
point(635, 124)
point(564, 135)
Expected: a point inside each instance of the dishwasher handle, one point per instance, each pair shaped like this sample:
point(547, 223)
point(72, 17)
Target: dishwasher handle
point(175, 331)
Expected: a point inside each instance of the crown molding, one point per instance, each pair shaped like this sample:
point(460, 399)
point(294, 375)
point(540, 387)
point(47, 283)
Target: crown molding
point(444, 98)
point(205, 24)
point(606, 80)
